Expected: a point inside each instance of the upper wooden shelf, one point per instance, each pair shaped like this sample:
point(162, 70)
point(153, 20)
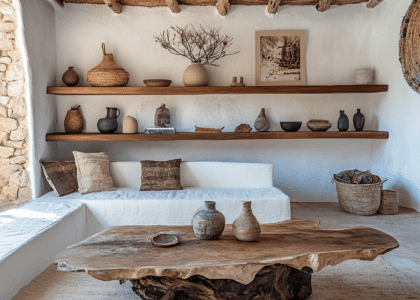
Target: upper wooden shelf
point(123, 137)
point(206, 90)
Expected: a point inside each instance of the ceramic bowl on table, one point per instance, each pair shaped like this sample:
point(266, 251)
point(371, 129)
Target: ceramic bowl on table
point(162, 239)
point(157, 82)
point(319, 125)
point(290, 126)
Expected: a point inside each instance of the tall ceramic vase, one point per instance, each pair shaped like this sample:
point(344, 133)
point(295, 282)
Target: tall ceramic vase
point(109, 124)
point(196, 75)
point(209, 223)
point(246, 227)
point(359, 120)
point(261, 123)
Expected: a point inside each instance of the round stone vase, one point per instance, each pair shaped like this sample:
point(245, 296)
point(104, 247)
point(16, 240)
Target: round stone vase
point(246, 227)
point(343, 121)
point(109, 124)
point(74, 122)
point(208, 223)
point(70, 77)
point(196, 75)
point(359, 120)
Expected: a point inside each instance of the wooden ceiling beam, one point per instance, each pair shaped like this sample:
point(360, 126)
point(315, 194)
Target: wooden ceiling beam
point(272, 6)
point(323, 5)
point(223, 7)
point(114, 5)
point(373, 3)
point(173, 6)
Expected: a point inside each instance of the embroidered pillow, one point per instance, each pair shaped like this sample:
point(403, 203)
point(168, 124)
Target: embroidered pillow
point(161, 175)
point(62, 176)
point(93, 172)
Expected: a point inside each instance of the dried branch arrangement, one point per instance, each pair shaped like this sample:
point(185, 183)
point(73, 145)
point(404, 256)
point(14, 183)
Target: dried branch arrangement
point(198, 45)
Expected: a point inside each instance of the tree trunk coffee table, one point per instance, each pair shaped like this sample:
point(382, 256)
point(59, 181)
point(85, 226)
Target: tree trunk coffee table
point(278, 266)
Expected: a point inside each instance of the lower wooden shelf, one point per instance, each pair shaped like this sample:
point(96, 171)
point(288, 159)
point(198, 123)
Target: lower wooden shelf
point(182, 136)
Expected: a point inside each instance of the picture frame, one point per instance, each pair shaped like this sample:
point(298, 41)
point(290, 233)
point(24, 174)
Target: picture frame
point(279, 65)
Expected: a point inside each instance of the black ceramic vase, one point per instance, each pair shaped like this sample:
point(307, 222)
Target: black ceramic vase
point(343, 121)
point(359, 120)
point(109, 124)
point(209, 223)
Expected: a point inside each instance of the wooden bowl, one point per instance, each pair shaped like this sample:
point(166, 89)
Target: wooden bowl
point(319, 125)
point(163, 240)
point(290, 126)
point(157, 82)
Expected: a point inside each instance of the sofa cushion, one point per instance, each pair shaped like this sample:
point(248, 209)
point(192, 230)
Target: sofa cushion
point(161, 175)
point(62, 176)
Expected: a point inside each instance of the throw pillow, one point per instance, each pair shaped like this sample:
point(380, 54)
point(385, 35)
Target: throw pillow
point(93, 172)
point(62, 176)
point(161, 175)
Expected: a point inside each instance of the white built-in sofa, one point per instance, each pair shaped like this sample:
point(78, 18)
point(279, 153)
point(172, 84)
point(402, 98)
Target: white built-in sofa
point(32, 235)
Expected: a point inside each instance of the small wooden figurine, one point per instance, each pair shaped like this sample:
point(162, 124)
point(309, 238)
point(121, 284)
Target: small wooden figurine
point(162, 116)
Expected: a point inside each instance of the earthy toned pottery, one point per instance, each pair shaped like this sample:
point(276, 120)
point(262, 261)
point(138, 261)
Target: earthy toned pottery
point(109, 124)
point(319, 125)
point(343, 122)
point(363, 76)
point(209, 223)
point(157, 82)
point(243, 128)
point(196, 75)
point(261, 123)
point(234, 81)
point(130, 125)
point(74, 122)
point(246, 227)
point(163, 240)
point(241, 82)
point(359, 120)
point(290, 126)
point(70, 77)
point(162, 116)
point(108, 73)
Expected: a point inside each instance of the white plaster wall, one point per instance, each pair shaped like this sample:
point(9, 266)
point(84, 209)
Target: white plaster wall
point(39, 34)
point(338, 42)
point(398, 110)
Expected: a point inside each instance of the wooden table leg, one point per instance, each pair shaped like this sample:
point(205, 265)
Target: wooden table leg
point(271, 283)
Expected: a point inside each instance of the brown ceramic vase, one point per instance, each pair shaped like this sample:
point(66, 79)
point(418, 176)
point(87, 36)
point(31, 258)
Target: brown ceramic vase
point(246, 227)
point(70, 77)
point(74, 122)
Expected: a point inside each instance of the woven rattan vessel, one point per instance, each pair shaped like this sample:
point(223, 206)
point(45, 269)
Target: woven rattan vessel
point(409, 46)
point(108, 73)
point(359, 199)
point(389, 203)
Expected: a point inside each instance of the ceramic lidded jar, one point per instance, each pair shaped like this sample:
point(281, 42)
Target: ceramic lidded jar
point(359, 120)
point(109, 124)
point(261, 123)
point(196, 75)
point(246, 227)
point(208, 223)
point(74, 122)
point(343, 121)
point(70, 77)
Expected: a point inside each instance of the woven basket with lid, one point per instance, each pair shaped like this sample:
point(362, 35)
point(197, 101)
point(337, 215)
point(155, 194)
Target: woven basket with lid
point(108, 73)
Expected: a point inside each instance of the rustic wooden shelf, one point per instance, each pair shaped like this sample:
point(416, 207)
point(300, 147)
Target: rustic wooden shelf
point(309, 89)
point(122, 137)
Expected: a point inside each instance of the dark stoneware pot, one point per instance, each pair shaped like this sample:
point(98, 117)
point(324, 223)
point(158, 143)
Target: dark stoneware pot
point(359, 120)
point(209, 223)
point(109, 124)
point(343, 121)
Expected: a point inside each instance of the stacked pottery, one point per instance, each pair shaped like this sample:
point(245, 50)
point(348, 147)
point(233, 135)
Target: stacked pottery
point(246, 227)
point(208, 223)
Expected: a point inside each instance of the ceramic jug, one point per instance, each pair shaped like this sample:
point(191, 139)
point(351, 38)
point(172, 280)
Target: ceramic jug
point(208, 223)
point(109, 124)
point(246, 227)
point(343, 121)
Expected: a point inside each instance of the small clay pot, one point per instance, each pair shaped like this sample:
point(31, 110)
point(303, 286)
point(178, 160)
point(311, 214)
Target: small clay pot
point(130, 125)
point(70, 77)
point(208, 223)
point(246, 227)
point(261, 123)
point(74, 122)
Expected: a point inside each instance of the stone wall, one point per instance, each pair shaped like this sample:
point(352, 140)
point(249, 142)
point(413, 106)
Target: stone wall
point(14, 161)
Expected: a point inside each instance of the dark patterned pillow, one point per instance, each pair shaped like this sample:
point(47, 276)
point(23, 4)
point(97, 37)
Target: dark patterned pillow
point(62, 176)
point(161, 175)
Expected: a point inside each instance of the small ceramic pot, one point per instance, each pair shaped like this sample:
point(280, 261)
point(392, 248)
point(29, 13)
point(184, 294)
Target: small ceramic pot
point(109, 124)
point(359, 120)
point(130, 125)
point(343, 122)
point(196, 75)
point(70, 77)
point(363, 76)
point(246, 227)
point(208, 223)
point(319, 125)
point(74, 122)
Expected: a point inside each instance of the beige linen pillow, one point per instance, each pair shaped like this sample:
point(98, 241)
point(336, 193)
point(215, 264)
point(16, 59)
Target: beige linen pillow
point(93, 172)
point(161, 175)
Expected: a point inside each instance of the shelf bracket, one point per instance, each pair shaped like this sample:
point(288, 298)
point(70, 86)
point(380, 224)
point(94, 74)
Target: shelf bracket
point(373, 3)
point(223, 7)
point(323, 5)
point(114, 5)
point(60, 2)
point(173, 6)
point(272, 6)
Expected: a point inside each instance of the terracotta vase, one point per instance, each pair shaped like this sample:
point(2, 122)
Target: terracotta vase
point(108, 73)
point(262, 123)
point(109, 124)
point(74, 122)
point(246, 227)
point(70, 77)
point(208, 223)
point(343, 122)
point(196, 75)
point(130, 125)
point(359, 120)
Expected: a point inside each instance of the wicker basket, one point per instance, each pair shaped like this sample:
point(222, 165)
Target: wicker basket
point(359, 199)
point(389, 203)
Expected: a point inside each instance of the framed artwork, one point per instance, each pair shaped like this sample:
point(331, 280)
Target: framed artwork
point(280, 57)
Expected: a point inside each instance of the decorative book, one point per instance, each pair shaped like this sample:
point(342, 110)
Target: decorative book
point(163, 130)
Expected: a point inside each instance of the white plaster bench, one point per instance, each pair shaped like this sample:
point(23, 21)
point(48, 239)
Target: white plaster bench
point(225, 183)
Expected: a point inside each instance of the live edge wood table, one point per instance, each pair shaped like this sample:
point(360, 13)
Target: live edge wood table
point(278, 266)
